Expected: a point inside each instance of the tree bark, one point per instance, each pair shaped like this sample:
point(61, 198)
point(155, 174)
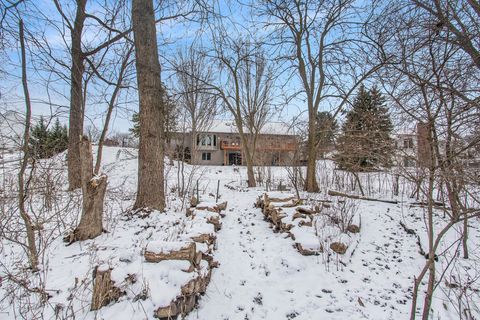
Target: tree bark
point(75, 128)
point(151, 190)
point(93, 191)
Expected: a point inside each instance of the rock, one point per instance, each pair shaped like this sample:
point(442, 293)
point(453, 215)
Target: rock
point(338, 247)
point(353, 228)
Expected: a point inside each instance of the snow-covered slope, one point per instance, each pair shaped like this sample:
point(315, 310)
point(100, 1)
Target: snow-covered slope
point(260, 274)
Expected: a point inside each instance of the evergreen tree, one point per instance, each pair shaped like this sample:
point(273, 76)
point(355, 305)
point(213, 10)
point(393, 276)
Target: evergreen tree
point(57, 138)
point(326, 129)
point(44, 142)
point(39, 140)
point(365, 141)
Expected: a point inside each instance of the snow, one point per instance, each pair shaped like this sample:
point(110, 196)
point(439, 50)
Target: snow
point(261, 275)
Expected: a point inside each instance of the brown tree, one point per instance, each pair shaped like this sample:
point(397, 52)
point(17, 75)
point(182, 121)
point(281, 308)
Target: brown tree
point(150, 192)
point(79, 56)
point(323, 43)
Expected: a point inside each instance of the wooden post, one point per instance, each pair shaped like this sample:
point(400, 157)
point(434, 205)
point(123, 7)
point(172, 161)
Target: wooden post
point(198, 196)
point(218, 189)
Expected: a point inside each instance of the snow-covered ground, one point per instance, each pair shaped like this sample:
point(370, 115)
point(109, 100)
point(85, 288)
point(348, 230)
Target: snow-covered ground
point(260, 276)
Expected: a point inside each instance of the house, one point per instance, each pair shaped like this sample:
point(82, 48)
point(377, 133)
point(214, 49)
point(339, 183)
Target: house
point(220, 144)
point(412, 147)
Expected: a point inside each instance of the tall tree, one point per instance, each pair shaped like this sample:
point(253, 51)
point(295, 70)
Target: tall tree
point(244, 86)
point(323, 43)
point(193, 72)
point(31, 246)
point(79, 57)
point(151, 153)
point(365, 142)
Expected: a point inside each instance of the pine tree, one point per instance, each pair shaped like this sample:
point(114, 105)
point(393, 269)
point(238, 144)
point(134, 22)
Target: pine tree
point(39, 140)
point(365, 142)
point(44, 142)
point(57, 138)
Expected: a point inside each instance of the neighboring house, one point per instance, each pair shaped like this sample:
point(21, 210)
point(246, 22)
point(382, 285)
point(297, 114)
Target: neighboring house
point(412, 148)
point(221, 145)
point(406, 144)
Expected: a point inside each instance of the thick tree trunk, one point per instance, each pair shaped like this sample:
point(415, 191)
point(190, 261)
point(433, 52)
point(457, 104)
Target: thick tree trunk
point(248, 157)
point(93, 190)
point(150, 191)
point(311, 179)
point(75, 128)
point(250, 174)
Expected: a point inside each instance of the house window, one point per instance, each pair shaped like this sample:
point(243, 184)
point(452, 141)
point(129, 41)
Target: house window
point(207, 140)
point(408, 143)
point(206, 156)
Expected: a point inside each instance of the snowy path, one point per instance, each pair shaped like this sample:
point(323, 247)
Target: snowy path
point(261, 276)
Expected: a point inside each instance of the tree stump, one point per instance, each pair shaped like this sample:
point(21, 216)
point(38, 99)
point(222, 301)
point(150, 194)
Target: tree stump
point(104, 290)
point(93, 192)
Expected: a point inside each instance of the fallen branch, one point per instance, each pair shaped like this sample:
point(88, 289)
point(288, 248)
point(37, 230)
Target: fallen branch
point(353, 196)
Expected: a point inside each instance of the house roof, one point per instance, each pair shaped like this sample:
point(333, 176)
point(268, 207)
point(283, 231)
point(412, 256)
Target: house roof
point(228, 126)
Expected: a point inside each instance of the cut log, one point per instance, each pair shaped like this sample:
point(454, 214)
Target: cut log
point(181, 306)
point(222, 206)
point(104, 290)
point(305, 210)
point(306, 252)
point(354, 196)
point(216, 223)
point(164, 250)
point(209, 239)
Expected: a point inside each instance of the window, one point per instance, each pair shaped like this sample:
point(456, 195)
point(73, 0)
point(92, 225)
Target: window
point(207, 140)
point(206, 156)
point(408, 143)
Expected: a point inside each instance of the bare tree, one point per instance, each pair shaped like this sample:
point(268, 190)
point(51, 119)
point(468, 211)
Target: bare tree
point(424, 80)
point(244, 86)
point(192, 73)
point(80, 56)
point(22, 187)
point(322, 41)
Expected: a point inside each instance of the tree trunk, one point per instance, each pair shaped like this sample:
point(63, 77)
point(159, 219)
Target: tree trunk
point(150, 191)
point(311, 179)
point(248, 158)
point(29, 226)
point(75, 128)
point(465, 239)
point(93, 191)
